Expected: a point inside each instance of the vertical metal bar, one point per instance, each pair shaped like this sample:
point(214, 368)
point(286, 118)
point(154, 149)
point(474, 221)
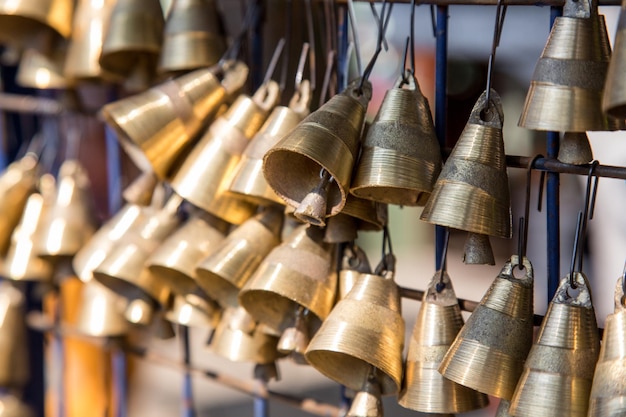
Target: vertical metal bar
point(119, 365)
point(188, 408)
point(441, 104)
point(114, 171)
point(552, 201)
point(256, 72)
point(261, 406)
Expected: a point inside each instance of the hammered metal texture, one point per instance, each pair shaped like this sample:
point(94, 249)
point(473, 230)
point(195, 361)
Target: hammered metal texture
point(575, 149)
point(614, 96)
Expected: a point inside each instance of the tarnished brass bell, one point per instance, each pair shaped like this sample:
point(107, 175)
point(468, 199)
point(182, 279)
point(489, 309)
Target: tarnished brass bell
point(400, 158)
point(248, 181)
point(159, 125)
point(240, 339)
point(438, 322)
point(70, 221)
point(100, 311)
point(353, 263)
point(181, 312)
point(367, 402)
point(232, 262)
point(205, 175)
point(503, 409)
point(472, 191)
point(365, 330)
point(574, 148)
point(565, 92)
point(614, 96)
point(85, 46)
point(132, 41)
point(192, 36)
point(477, 250)
point(40, 71)
point(608, 391)
point(488, 353)
point(14, 363)
point(317, 157)
point(561, 363)
point(174, 261)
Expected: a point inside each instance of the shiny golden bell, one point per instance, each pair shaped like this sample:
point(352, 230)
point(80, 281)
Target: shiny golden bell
point(40, 71)
point(181, 312)
point(438, 322)
point(614, 96)
point(367, 402)
point(328, 140)
point(575, 149)
point(488, 353)
point(157, 126)
point(141, 190)
point(561, 363)
point(100, 312)
point(365, 330)
point(14, 363)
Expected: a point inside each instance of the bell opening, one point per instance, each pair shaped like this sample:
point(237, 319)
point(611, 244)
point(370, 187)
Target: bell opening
point(121, 287)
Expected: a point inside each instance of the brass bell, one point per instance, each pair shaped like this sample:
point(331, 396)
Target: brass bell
point(181, 312)
point(614, 96)
point(438, 322)
point(40, 71)
point(353, 263)
point(70, 221)
point(174, 261)
point(248, 181)
point(100, 311)
point(311, 167)
point(192, 36)
point(608, 393)
point(364, 331)
point(503, 409)
point(141, 190)
point(561, 363)
point(14, 363)
point(231, 264)
point(367, 402)
point(400, 158)
point(157, 126)
point(472, 191)
point(565, 93)
point(17, 182)
point(205, 175)
point(477, 250)
point(85, 46)
point(132, 42)
point(240, 339)
point(139, 311)
point(575, 149)
point(488, 353)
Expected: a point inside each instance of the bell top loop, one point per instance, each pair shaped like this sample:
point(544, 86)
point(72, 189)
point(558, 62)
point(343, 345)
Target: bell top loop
point(355, 259)
point(620, 300)
point(233, 75)
point(440, 290)
point(579, 298)
point(582, 9)
point(407, 81)
point(301, 99)
point(267, 95)
point(360, 92)
point(488, 114)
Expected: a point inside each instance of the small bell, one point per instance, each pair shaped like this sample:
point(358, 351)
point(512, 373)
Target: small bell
point(295, 339)
point(40, 71)
point(139, 311)
point(367, 402)
point(478, 250)
point(141, 190)
point(100, 312)
point(353, 264)
point(188, 315)
point(614, 96)
point(575, 149)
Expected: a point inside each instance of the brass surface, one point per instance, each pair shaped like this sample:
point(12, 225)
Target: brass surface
point(139, 311)
point(205, 175)
point(192, 37)
point(39, 71)
point(400, 158)
point(181, 312)
point(489, 352)
point(561, 363)
point(367, 402)
point(364, 330)
point(574, 148)
point(477, 250)
point(226, 270)
point(341, 228)
point(100, 311)
point(354, 262)
point(14, 362)
point(438, 322)
point(614, 95)
point(159, 125)
point(327, 139)
point(141, 190)
point(472, 191)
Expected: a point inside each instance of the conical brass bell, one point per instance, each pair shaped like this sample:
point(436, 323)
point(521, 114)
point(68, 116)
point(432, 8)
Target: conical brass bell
point(365, 330)
point(132, 41)
point(192, 36)
point(488, 353)
point(174, 261)
point(17, 182)
point(438, 322)
point(477, 250)
point(14, 363)
point(608, 392)
point(70, 222)
point(157, 126)
point(141, 190)
point(205, 175)
point(295, 339)
point(318, 155)
point(400, 158)
point(575, 149)
point(181, 312)
point(614, 96)
point(100, 311)
point(561, 363)
point(240, 339)
point(40, 71)
point(367, 402)
point(566, 88)
point(248, 180)
point(227, 269)
point(85, 46)
point(503, 409)
point(472, 191)
point(353, 263)
point(139, 311)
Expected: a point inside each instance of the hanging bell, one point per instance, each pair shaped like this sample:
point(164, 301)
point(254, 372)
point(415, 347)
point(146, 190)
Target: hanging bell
point(140, 311)
point(183, 313)
point(157, 126)
point(566, 88)
point(40, 71)
point(14, 363)
point(438, 322)
point(141, 190)
point(575, 149)
point(192, 36)
point(70, 221)
point(400, 158)
point(477, 250)
point(367, 402)
point(608, 391)
point(472, 191)
point(614, 96)
point(311, 167)
point(561, 363)
point(353, 263)
point(488, 353)
point(248, 181)
point(85, 46)
point(100, 312)
point(174, 261)
point(365, 330)
point(132, 42)
point(226, 269)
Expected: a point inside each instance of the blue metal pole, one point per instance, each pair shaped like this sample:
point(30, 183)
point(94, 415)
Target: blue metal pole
point(441, 104)
point(188, 408)
point(114, 171)
point(342, 46)
point(119, 362)
point(552, 201)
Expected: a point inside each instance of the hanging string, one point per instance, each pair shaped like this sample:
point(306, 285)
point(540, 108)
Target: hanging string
point(497, 33)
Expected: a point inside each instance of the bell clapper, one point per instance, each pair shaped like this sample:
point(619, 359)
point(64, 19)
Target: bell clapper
point(312, 208)
point(367, 401)
point(295, 338)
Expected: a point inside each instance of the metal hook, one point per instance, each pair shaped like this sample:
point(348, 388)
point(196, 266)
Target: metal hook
point(497, 33)
point(252, 14)
point(404, 59)
point(433, 19)
point(381, 34)
point(311, 41)
point(388, 261)
point(378, 23)
point(576, 255)
point(444, 256)
point(412, 36)
point(286, 34)
point(524, 220)
point(274, 61)
point(330, 65)
point(355, 35)
point(301, 63)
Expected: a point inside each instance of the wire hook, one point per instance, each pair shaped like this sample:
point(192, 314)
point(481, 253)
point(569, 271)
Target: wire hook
point(388, 261)
point(522, 242)
point(330, 65)
point(355, 35)
point(274, 61)
point(497, 33)
point(444, 257)
point(382, 28)
point(311, 41)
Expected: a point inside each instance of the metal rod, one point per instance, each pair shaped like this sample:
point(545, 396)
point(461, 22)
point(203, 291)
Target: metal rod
point(21, 103)
point(188, 407)
point(556, 166)
point(556, 3)
point(114, 171)
point(119, 366)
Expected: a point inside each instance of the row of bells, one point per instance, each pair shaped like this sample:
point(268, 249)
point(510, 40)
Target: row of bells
point(109, 40)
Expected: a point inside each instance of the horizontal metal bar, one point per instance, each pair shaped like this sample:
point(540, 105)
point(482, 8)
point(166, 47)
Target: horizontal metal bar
point(21, 103)
point(495, 2)
point(554, 165)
